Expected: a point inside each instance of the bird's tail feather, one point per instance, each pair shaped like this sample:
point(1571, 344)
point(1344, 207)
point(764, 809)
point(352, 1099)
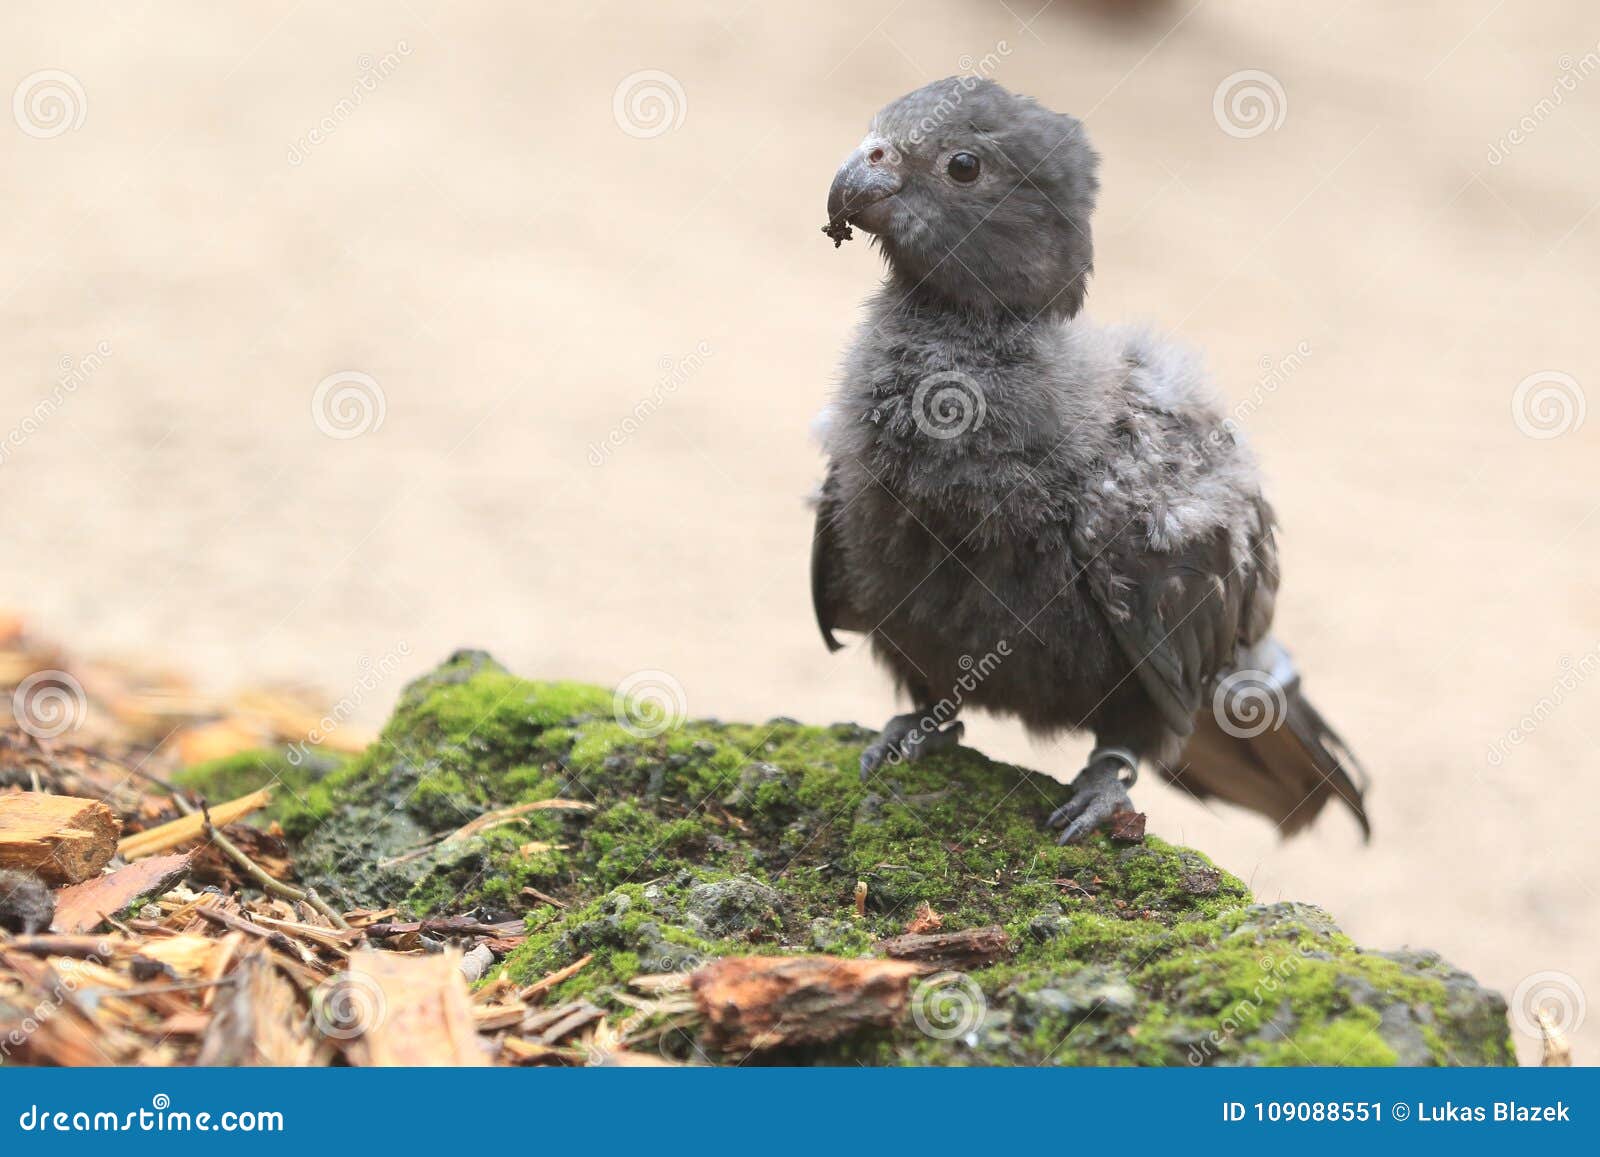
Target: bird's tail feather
point(1263, 746)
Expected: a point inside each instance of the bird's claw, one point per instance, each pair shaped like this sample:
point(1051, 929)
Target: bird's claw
point(905, 738)
point(1097, 794)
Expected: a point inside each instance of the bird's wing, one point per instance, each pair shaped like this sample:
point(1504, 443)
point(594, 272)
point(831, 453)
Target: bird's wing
point(1180, 616)
point(828, 589)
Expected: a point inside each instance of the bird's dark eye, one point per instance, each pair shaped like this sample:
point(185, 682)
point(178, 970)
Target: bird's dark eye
point(963, 167)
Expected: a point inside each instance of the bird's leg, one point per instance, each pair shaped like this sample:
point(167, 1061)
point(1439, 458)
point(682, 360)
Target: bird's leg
point(1099, 792)
point(910, 737)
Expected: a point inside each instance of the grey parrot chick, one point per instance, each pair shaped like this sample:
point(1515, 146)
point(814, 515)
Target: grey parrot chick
point(1035, 515)
point(26, 905)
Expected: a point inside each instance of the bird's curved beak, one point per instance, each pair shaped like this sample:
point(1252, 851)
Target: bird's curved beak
point(868, 178)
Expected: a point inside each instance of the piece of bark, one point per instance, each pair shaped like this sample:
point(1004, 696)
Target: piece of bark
point(925, 919)
point(524, 1052)
point(187, 829)
point(259, 1022)
point(447, 926)
point(1557, 1049)
point(1126, 827)
point(964, 951)
point(764, 1002)
point(62, 839)
point(84, 907)
point(414, 1011)
point(543, 897)
point(581, 1015)
point(544, 984)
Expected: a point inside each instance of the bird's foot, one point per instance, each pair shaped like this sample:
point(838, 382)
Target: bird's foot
point(905, 737)
point(1098, 793)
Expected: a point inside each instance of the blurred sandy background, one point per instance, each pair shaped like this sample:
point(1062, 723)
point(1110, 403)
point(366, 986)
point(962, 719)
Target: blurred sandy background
point(473, 227)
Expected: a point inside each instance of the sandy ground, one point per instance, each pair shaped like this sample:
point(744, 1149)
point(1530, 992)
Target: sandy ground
point(471, 227)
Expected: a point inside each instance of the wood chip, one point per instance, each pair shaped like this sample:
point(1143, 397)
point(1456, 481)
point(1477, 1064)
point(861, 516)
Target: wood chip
point(260, 1021)
point(84, 907)
point(534, 894)
point(62, 839)
point(972, 948)
point(188, 829)
point(1126, 827)
point(581, 1014)
point(924, 919)
point(764, 1002)
point(504, 815)
point(418, 1011)
point(1557, 1050)
point(539, 987)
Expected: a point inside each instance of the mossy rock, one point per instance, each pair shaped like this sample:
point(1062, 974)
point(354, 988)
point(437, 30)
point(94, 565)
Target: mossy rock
point(710, 839)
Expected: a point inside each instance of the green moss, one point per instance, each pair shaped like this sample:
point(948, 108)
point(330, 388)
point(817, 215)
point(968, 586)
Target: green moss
point(713, 839)
point(295, 775)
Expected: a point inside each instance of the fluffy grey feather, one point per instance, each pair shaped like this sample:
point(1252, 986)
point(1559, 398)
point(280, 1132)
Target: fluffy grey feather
point(1003, 470)
point(26, 905)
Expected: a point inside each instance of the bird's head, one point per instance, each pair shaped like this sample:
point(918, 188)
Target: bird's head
point(975, 195)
